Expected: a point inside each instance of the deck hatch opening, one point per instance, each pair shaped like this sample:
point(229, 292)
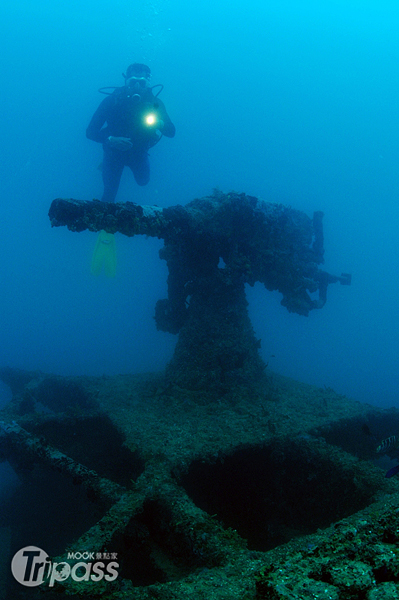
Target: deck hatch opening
point(152, 549)
point(273, 493)
point(96, 443)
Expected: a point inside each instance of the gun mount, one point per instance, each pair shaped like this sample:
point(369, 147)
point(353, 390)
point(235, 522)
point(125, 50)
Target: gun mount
point(213, 246)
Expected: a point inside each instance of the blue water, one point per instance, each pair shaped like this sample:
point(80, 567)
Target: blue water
point(290, 101)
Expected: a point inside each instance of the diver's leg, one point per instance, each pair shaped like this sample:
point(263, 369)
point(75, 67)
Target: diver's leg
point(112, 168)
point(140, 165)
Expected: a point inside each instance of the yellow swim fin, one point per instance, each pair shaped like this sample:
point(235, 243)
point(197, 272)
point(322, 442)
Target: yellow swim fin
point(104, 255)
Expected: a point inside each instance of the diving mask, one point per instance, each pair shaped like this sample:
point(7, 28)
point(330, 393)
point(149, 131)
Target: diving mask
point(137, 84)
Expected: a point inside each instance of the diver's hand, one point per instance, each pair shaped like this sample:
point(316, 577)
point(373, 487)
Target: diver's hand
point(159, 127)
point(120, 143)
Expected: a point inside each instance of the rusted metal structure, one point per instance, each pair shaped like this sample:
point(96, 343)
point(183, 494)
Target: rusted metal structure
point(272, 497)
point(213, 247)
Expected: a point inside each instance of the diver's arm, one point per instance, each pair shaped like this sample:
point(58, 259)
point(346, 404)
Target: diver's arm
point(168, 128)
point(95, 131)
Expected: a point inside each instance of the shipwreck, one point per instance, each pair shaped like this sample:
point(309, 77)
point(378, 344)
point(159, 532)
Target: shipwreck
point(216, 479)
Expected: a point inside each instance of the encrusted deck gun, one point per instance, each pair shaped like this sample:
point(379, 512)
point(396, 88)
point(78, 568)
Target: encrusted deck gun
point(213, 246)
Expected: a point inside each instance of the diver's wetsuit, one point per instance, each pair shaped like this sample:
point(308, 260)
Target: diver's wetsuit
point(124, 116)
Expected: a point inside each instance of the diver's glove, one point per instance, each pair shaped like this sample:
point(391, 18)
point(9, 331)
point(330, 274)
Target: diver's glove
point(120, 143)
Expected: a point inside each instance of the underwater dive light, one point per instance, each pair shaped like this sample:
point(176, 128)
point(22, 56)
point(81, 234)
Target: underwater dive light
point(150, 119)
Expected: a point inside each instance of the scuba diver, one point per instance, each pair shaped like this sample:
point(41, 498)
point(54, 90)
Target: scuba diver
point(136, 120)
point(128, 122)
